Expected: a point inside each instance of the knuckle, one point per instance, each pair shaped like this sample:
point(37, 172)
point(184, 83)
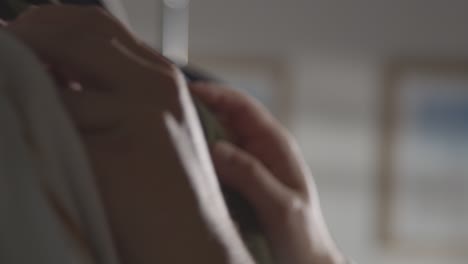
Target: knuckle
point(290, 207)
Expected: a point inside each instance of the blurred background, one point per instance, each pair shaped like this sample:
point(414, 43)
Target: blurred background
point(366, 125)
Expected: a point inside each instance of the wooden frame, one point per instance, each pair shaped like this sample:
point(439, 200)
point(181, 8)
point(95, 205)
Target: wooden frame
point(388, 182)
point(275, 68)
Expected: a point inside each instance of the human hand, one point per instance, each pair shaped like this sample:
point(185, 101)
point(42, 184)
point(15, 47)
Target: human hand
point(266, 167)
point(89, 47)
point(124, 91)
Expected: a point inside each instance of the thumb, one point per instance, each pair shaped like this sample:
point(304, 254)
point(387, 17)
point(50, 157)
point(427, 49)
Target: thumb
point(245, 174)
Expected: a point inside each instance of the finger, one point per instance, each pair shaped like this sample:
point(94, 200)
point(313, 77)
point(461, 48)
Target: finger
point(246, 175)
point(3, 23)
point(144, 88)
point(259, 134)
point(97, 58)
point(69, 22)
point(108, 71)
point(233, 105)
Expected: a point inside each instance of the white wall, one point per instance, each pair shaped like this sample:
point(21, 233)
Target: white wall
point(334, 50)
point(335, 121)
point(278, 26)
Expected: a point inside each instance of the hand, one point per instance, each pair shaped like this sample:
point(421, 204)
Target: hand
point(91, 47)
point(125, 88)
point(266, 167)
